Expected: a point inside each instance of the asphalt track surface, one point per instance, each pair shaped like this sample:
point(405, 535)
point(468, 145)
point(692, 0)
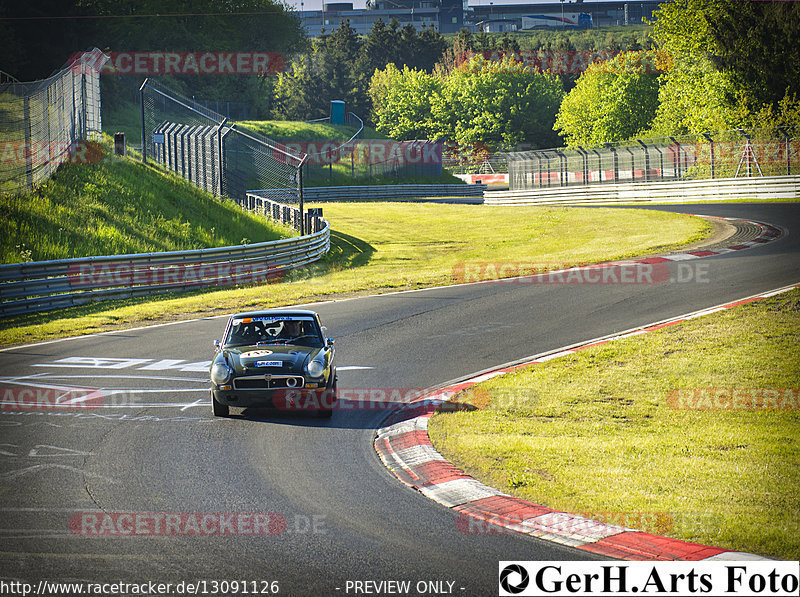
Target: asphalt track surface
point(154, 448)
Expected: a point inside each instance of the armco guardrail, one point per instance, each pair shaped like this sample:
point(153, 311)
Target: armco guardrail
point(389, 191)
point(44, 285)
point(279, 212)
point(721, 189)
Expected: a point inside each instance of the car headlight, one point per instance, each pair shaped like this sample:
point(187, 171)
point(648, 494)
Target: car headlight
point(315, 369)
point(221, 373)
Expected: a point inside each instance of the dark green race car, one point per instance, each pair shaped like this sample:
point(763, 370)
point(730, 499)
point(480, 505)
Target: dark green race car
point(274, 359)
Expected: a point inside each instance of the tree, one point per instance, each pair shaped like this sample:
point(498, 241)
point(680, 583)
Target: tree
point(497, 104)
point(342, 65)
point(727, 62)
point(758, 45)
point(695, 96)
point(40, 36)
point(611, 101)
point(403, 102)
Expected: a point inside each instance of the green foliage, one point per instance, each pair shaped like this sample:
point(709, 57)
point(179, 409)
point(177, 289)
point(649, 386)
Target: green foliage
point(695, 97)
point(120, 206)
point(728, 62)
point(611, 101)
point(35, 43)
point(342, 64)
point(498, 104)
point(403, 102)
point(758, 45)
point(142, 25)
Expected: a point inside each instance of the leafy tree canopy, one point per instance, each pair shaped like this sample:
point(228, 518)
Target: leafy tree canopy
point(612, 101)
point(500, 104)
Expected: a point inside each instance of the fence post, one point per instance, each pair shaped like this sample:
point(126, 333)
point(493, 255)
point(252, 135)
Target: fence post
point(26, 119)
point(646, 160)
point(300, 192)
point(539, 167)
point(677, 167)
point(710, 140)
point(220, 148)
point(562, 169)
point(141, 109)
point(785, 132)
point(633, 164)
point(614, 159)
point(585, 159)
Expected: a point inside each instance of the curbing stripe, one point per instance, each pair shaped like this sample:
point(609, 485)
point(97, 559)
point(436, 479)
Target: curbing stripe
point(635, 545)
point(458, 491)
point(426, 470)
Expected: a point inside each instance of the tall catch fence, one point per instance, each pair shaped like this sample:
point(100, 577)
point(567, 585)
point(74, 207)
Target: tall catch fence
point(475, 158)
point(359, 159)
point(42, 122)
point(728, 154)
point(215, 154)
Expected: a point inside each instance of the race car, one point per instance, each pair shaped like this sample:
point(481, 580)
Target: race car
point(274, 359)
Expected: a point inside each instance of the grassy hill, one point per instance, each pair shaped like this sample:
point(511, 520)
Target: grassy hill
point(120, 206)
point(288, 130)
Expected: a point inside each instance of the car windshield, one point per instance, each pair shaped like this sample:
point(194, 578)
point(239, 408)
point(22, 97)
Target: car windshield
point(266, 330)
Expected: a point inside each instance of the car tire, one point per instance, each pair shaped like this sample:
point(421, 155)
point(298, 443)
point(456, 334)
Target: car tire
point(219, 409)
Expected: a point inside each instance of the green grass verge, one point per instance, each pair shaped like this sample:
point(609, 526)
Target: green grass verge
point(290, 130)
point(598, 433)
point(378, 247)
point(120, 206)
point(343, 172)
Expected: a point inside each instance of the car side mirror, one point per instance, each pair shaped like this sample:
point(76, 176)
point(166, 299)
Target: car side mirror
point(217, 345)
point(329, 342)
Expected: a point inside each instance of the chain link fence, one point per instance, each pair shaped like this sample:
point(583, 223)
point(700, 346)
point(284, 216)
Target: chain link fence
point(359, 161)
point(41, 122)
point(727, 154)
point(476, 158)
point(207, 149)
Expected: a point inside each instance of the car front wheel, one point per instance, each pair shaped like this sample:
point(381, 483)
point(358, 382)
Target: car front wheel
point(219, 409)
point(329, 400)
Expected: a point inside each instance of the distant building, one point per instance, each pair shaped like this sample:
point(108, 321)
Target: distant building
point(446, 16)
point(450, 16)
point(570, 15)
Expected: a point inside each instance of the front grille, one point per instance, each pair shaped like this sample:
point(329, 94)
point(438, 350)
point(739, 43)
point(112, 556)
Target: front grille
point(260, 382)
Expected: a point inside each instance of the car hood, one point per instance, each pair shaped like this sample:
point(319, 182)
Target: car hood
point(269, 359)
